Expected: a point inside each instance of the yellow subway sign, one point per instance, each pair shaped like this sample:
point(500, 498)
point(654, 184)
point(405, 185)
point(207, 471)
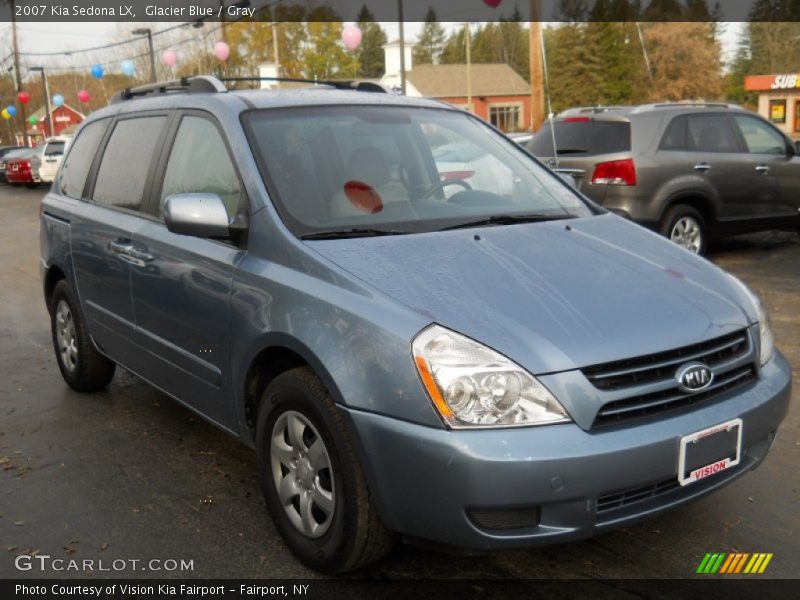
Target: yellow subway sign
point(734, 563)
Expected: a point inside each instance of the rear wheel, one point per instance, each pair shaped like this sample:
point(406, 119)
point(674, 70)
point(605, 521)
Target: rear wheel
point(82, 366)
point(684, 225)
point(312, 479)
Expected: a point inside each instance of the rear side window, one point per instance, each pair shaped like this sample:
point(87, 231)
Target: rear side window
point(675, 135)
point(711, 133)
point(582, 138)
point(126, 160)
point(199, 162)
point(79, 161)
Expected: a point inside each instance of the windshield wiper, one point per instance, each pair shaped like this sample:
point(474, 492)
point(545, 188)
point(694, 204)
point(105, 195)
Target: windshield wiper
point(571, 151)
point(349, 233)
point(508, 220)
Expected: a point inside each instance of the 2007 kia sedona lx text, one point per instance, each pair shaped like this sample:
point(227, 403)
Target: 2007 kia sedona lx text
point(476, 356)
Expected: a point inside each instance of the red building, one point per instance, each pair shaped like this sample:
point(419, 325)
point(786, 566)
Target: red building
point(63, 116)
point(498, 94)
point(494, 92)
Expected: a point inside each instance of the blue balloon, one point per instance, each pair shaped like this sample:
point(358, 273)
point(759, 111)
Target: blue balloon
point(128, 68)
point(58, 100)
point(12, 110)
point(97, 71)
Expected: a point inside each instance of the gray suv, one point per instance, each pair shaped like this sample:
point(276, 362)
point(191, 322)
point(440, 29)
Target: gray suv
point(468, 353)
point(690, 171)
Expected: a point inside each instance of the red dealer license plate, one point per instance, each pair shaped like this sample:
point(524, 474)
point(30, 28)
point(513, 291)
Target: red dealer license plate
point(709, 451)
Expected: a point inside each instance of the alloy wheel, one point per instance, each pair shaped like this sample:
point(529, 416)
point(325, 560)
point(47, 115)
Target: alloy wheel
point(65, 336)
point(688, 233)
point(302, 473)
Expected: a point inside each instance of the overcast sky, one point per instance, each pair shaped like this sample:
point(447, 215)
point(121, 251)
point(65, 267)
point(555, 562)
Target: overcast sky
point(54, 37)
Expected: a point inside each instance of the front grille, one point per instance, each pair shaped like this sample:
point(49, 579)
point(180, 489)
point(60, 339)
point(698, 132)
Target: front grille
point(724, 355)
point(642, 498)
point(646, 369)
point(636, 495)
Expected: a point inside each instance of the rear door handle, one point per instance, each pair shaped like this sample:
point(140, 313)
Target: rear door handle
point(763, 169)
point(702, 167)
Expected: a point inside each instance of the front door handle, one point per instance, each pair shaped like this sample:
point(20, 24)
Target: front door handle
point(702, 167)
point(139, 255)
point(763, 169)
point(120, 247)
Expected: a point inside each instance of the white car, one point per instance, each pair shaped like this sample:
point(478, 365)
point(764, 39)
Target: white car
point(45, 164)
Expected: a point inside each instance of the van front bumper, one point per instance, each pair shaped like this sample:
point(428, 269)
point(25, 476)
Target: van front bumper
point(562, 482)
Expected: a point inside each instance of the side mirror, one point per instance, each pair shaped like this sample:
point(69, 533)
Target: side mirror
point(199, 215)
point(568, 177)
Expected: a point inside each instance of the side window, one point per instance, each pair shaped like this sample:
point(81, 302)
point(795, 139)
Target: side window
point(79, 160)
point(759, 137)
point(711, 133)
point(199, 162)
point(675, 135)
point(123, 169)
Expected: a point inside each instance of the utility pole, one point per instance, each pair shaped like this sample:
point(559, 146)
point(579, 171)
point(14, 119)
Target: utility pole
point(22, 108)
point(149, 33)
point(402, 48)
point(468, 43)
point(46, 89)
point(537, 71)
point(224, 32)
point(276, 54)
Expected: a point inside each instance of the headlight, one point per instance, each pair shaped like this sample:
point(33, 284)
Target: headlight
point(766, 343)
point(473, 386)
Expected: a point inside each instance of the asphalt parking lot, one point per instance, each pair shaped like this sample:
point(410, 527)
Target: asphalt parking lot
point(129, 474)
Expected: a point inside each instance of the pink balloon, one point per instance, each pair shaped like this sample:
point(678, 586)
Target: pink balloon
point(83, 96)
point(351, 36)
point(492, 3)
point(222, 51)
point(169, 58)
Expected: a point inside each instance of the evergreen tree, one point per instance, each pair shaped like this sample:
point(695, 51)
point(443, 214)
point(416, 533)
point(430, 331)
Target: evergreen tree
point(370, 53)
point(431, 41)
point(455, 49)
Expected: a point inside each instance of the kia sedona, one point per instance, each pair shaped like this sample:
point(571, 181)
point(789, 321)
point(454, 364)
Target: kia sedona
point(480, 358)
point(693, 172)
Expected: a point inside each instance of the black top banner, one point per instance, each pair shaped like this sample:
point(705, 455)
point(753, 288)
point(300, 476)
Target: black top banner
point(398, 10)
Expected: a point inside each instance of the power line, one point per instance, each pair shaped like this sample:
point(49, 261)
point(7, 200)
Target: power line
point(134, 57)
point(102, 47)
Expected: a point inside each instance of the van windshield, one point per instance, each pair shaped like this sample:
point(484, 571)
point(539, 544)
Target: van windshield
point(371, 170)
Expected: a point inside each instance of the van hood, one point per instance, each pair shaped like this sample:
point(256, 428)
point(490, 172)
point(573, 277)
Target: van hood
point(553, 296)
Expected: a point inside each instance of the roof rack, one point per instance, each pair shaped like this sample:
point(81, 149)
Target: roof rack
point(579, 110)
point(343, 84)
point(191, 85)
point(199, 84)
point(692, 105)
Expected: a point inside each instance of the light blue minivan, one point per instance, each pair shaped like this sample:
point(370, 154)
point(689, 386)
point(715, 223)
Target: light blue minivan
point(462, 351)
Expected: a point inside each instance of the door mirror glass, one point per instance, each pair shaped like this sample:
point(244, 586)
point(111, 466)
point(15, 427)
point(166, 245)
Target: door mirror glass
point(200, 215)
point(795, 148)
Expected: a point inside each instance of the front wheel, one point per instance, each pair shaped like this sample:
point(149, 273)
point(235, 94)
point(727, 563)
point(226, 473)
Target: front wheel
point(82, 366)
point(311, 477)
point(684, 225)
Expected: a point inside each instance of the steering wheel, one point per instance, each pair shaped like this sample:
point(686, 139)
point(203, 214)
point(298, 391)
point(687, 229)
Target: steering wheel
point(443, 184)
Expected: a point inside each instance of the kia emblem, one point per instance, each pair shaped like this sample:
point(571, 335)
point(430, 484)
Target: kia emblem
point(694, 377)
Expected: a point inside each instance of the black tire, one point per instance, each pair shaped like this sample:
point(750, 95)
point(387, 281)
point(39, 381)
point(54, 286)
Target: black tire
point(686, 214)
point(31, 186)
point(90, 371)
point(355, 535)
